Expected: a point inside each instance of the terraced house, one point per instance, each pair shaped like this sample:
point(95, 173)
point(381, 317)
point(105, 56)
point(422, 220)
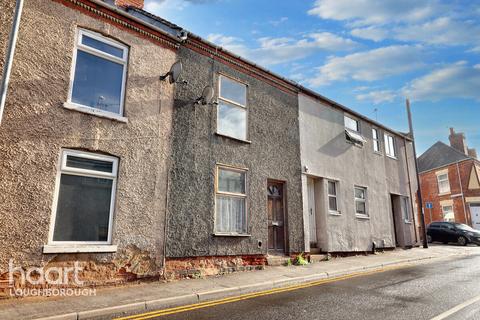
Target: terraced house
point(105, 161)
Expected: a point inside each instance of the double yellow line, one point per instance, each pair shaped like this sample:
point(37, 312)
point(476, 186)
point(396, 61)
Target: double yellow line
point(164, 312)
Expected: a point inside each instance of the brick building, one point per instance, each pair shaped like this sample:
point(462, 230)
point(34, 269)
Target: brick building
point(450, 180)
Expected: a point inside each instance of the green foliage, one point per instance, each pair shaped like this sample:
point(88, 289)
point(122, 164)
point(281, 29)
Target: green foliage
point(300, 260)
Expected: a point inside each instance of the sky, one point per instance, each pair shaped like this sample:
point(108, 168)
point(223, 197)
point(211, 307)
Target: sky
point(369, 55)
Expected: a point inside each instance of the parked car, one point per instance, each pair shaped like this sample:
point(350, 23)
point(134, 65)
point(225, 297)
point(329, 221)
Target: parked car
point(447, 232)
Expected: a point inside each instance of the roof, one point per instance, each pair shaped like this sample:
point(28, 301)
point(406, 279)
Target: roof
point(175, 31)
point(440, 155)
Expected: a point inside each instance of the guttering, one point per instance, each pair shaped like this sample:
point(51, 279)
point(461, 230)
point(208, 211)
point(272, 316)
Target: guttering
point(131, 17)
point(7, 68)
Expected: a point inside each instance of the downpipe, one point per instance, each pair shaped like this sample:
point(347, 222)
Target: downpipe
point(7, 68)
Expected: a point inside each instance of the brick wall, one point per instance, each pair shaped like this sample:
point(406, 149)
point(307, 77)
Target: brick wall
point(129, 3)
point(459, 181)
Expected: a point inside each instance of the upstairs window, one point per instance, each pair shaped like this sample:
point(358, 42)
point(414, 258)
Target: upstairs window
point(352, 124)
point(376, 140)
point(231, 201)
point(99, 73)
point(443, 183)
point(84, 198)
point(232, 109)
point(390, 147)
point(361, 201)
point(352, 131)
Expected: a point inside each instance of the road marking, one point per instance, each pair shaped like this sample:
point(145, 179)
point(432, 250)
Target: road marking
point(457, 308)
point(164, 312)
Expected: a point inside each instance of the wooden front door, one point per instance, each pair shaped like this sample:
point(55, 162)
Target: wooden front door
point(276, 217)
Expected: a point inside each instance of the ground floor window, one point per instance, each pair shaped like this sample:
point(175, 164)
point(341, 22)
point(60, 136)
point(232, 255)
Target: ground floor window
point(406, 209)
point(448, 214)
point(84, 198)
point(332, 196)
point(361, 201)
point(231, 201)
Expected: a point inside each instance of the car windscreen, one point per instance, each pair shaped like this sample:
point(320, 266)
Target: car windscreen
point(464, 227)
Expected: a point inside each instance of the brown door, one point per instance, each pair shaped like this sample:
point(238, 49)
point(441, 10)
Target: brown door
point(276, 217)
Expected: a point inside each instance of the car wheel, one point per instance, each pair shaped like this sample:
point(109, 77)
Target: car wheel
point(462, 241)
point(445, 242)
point(429, 238)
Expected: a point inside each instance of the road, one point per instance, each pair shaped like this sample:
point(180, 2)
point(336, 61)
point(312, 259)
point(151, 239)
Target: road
point(424, 291)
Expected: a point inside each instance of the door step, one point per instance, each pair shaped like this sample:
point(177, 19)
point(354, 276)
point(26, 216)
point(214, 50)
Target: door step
point(315, 258)
point(277, 260)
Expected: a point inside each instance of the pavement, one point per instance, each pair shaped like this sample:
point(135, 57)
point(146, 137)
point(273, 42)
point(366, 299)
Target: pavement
point(137, 298)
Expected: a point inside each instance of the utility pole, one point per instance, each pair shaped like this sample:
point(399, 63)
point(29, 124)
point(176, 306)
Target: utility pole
point(419, 192)
point(7, 69)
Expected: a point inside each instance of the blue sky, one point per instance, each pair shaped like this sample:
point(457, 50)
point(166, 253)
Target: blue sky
point(366, 54)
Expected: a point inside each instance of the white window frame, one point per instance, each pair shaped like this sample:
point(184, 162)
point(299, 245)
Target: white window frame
point(233, 195)
point(406, 209)
point(440, 180)
point(233, 104)
point(376, 141)
point(345, 117)
point(361, 215)
point(444, 212)
point(329, 195)
point(101, 54)
point(63, 168)
point(390, 145)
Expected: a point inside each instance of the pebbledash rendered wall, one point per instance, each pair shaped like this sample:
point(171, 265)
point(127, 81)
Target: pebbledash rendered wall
point(272, 154)
point(327, 154)
point(36, 127)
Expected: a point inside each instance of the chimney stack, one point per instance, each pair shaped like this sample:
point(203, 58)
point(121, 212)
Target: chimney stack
point(457, 141)
point(472, 153)
point(130, 3)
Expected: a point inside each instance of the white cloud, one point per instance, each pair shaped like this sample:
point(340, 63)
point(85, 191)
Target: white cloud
point(365, 12)
point(272, 51)
point(443, 30)
point(370, 65)
point(458, 80)
point(378, 96)
point(370, 33)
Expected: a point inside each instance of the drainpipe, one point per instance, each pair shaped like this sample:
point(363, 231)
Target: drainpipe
point(419, 192)
point(461, 191)
point(7, 68)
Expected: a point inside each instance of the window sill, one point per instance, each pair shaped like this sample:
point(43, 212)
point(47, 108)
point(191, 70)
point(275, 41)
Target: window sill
point(335, 213)
point(444, 194)
point(85, 248)
point(408, 222)
point(98, 113)
point(362, 217)
point(378, 153)
point(392, 157)
point(226, 234)
point(236, 139)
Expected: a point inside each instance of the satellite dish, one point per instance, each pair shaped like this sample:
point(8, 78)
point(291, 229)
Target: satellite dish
point(174, 73)
point(207, 95)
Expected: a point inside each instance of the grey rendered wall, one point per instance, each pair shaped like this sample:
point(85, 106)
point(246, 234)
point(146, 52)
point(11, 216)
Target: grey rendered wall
point(327, 154)
point(273, 154)
point(36, 127)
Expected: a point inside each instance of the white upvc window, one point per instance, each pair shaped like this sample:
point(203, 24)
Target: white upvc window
point(443, 183)
point(99, 74)
point(376, 140)
point(448, 214)
point(232, 112)
point(84, 199)
point(231, 201)
point(406, 209)
point(332, 187)
point(361, 201)
point(351, 124)
point(390, 146)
